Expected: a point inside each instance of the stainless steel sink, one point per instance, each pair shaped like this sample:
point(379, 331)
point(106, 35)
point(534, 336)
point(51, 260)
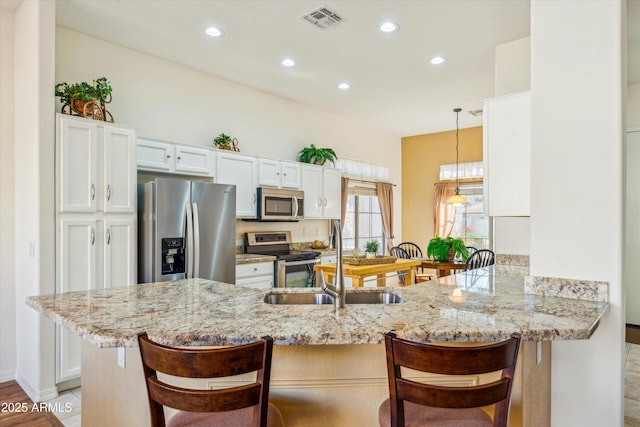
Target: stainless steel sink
point(367, 297)
point(306, 298)
point(373, 298)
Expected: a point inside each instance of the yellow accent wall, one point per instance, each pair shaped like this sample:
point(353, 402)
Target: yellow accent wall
point(422, 156)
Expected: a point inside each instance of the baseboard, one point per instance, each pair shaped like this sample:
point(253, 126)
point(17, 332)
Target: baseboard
point(37, 395)
point(632, 334)
point(7, 375)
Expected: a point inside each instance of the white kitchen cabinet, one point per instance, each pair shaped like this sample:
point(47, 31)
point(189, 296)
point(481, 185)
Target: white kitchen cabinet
point(242, 171)
point(322, 192)
point(96, 166)
point(95, 217)
point(255, 275)
point(120, 255)
point(279, 174)
point(507, 155)
point(174, 158)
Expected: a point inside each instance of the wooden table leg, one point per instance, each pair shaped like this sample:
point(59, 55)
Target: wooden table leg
point(382, 280)
point(357, 281)
point(410, 277)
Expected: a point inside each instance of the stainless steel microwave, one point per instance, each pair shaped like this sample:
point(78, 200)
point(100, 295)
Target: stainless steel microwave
point(280, 205)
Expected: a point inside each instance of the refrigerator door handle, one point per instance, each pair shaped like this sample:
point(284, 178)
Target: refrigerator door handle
point(196, 241)
point(190, 254)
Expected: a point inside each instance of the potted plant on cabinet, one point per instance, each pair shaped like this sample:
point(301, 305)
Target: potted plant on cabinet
point(222, 141)
point(447, 249)
point(371, 248)
point(317, 156)
point(86, 100)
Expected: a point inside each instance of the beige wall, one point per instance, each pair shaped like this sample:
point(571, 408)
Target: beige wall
point(422, 156)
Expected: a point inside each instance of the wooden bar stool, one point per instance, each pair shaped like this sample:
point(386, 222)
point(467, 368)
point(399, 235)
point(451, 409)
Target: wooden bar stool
point(245, 405)
point(416, 404)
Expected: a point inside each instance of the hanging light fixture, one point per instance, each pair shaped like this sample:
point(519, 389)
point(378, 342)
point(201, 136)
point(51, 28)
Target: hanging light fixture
point(457, 199)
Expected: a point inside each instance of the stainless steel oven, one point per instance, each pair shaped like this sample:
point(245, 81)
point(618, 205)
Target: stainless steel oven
point(296, 273)
point(292, 268)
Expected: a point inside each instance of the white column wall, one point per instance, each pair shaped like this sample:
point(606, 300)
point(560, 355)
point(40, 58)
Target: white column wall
point(576, 210)
point(7, 259)
point(34, 189)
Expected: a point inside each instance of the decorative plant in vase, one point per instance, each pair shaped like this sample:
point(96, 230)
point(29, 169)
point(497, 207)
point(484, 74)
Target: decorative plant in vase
point(317, 156)
point(447, 249)
point(86, 100)
point(371, 248)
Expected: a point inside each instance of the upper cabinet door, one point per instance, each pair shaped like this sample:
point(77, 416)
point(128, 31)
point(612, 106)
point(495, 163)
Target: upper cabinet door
point(154, 155)
point(119, 185)
point(313, 194)
point(291, 175)
point(194, 161)
point(77, 160)
point(332, 193)
point(269, 173)
point(242, 171)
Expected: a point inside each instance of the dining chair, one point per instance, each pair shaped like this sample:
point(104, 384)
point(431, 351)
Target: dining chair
point(243, 405)
point(414, 251)
point(480, 258)
point(398, 252)
point(421, 404)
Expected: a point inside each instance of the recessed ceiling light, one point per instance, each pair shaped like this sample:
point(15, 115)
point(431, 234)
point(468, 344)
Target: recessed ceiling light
point(344, 86)
point(389, 27)
point(214, 32)
point(437, 60)
point(288, 62)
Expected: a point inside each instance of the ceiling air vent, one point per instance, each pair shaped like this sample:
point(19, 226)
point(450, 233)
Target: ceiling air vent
point(323, 18)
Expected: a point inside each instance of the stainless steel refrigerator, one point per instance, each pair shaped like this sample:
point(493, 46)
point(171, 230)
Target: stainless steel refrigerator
point(186, 229)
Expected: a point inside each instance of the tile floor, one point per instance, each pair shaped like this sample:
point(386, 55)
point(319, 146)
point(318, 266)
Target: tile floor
point(631, 393)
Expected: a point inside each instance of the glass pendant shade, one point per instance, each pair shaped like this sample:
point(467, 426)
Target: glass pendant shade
point(457, 200)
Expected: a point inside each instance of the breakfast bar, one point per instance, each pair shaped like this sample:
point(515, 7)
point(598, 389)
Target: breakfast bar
point(328, 364)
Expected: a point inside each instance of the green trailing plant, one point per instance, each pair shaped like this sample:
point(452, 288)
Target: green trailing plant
point(438, 248)
point(100, 90)
point(222, 141)
point(372, 246)
point(318, 156)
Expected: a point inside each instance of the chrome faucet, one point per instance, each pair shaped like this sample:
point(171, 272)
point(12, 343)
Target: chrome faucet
point(336, 289)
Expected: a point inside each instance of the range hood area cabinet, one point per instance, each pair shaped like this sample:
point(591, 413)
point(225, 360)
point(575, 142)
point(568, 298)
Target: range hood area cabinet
point(507, 155)
point(95, 217)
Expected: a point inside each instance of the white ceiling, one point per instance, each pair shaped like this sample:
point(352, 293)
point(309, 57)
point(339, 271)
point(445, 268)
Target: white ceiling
point(393, 85)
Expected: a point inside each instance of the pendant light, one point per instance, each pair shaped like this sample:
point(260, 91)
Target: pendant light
point(457, 199)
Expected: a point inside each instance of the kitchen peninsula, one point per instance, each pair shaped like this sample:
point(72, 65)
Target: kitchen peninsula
point(328, 366)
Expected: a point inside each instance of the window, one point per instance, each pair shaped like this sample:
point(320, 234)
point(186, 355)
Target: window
point(363, 220)
point(471, 224)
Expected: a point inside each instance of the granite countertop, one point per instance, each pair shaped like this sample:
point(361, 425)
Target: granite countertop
point(251, 258)
point(492, 304)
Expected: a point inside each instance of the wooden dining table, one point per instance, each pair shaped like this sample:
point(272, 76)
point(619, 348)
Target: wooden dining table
point(359, 272)
point(442, 268)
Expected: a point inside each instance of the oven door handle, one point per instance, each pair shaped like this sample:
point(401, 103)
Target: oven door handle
point(303, 262)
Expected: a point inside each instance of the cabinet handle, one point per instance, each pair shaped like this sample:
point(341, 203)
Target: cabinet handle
point(277, 173)
point(255, 268)
point(254, 198)
point(93, 191)
point(108, 236)
point(168, 156)
point(178, 157)
point(108, 192)
point(325, 202)
point(319, 202)
point(93, 236)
